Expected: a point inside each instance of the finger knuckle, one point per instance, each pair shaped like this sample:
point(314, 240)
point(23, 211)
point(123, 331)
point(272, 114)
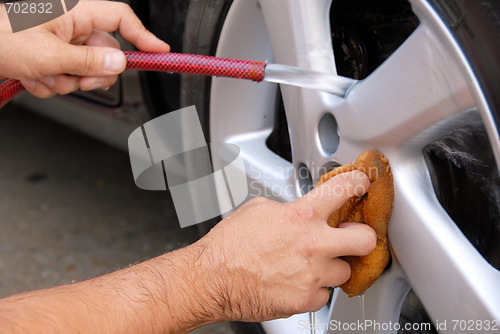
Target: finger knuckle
point(88, 60)
point(127, 7)
point(300, 213)
point(307, 252)
point(256, 201)
point(311, 280)
point(343, 272)
point(368, 241)
point(312, 301)
point(305, 302)
point(45, 94)
point(306, 248)
point(342, 244)
point(122, 6)
point(259, 199)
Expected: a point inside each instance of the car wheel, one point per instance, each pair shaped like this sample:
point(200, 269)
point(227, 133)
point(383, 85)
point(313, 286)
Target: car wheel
point(428, 98)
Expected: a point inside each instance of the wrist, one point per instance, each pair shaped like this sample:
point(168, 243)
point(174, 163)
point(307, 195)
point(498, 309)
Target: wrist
point(224, 281)
point(192, 292)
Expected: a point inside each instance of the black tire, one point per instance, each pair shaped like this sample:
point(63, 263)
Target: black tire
point(476, 27)
point(166, 19)
point(204, 21)
point(203, 25)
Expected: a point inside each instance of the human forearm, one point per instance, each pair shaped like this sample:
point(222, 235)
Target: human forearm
point(162, 295)
point(267, 260)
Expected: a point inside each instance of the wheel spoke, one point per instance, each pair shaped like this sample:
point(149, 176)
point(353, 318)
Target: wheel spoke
point(313, 130)
point(246, 120)
point(456, 284)
point(422, 232)
point(300, 35)
point(421, 92)
point(267, 174)
point(418, 87)
point(299, 31)
point(253, 111)
point(390, 289)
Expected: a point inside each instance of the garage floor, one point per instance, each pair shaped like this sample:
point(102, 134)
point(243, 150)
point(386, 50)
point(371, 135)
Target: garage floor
point(69, 209)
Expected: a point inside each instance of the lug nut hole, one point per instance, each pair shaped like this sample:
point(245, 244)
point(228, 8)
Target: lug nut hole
point(328, 133)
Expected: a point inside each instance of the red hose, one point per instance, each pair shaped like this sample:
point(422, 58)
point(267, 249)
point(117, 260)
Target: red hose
point(8, 90)
point(170, 62)
point(196, 64)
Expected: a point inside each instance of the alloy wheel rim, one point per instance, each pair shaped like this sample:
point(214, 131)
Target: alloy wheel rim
point(427, 78)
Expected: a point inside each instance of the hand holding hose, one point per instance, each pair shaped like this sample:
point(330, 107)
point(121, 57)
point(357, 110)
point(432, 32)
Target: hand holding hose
point(74, 51)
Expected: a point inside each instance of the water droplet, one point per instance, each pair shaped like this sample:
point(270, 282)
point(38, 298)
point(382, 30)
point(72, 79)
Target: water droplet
point(308, 79)
point(312, 320)
point(362, 307)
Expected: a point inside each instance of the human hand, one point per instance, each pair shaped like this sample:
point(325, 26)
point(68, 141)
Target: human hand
point(270, 260)
point(267, 260)
point(74, 51)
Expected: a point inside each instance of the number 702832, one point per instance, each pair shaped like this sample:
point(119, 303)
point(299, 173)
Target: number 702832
point(28, 8)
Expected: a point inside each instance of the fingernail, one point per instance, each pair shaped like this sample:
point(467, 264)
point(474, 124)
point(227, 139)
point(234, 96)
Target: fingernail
point(29, 83)
point(49, 81)
point(95, 85)
point(114, 61)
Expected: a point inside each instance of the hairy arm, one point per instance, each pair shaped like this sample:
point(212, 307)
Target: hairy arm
point(157, 296)
point(267, 260)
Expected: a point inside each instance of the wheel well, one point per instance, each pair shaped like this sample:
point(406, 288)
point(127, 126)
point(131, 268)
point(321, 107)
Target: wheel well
point(165, 19)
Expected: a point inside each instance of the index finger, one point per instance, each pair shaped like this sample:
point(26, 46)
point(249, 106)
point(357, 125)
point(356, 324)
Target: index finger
point(111, 16)
point(332, 194)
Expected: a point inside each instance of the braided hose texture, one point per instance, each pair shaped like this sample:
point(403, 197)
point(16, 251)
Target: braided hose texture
point(170, 62)
point(196, 64)
point(8, 90)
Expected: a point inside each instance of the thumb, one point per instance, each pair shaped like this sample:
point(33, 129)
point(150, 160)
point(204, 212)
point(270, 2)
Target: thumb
point(84, 60)
point(332, 194)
